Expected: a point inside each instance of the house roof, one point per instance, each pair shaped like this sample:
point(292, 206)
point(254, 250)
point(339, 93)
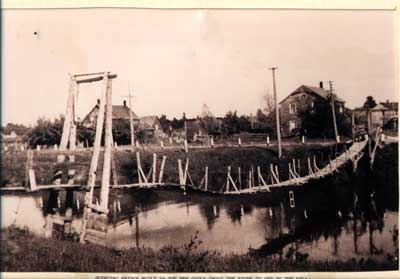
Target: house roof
point(391, 105)
point(379, 107)
point(316, 90)
point(118, 112)
point(122, 112)
point(148, 122)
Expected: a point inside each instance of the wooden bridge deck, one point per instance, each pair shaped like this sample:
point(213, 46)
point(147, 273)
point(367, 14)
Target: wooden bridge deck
point(351, 154)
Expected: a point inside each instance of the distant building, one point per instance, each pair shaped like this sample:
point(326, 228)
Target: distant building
point(383, 114)
point(304, 98)
point(195, 129)
point(119, 113)
point(151, 127)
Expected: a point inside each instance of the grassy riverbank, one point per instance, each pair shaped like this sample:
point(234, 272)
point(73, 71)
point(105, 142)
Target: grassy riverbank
point(21, 251)
point(44, 163)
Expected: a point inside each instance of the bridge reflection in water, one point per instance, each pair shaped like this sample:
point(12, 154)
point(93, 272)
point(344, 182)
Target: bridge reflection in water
point(328, 222)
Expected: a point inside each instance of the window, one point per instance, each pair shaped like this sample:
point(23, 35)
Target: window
point(292, 108)
point(292, 125)
point(340, 109)
point(312, 104)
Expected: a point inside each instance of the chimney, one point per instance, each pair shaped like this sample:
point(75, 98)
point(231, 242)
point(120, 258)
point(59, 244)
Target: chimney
point(98, 102)
point(124, 103)
point(321, 84)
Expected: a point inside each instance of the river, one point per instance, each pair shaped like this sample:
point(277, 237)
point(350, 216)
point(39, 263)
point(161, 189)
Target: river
point(325, 222)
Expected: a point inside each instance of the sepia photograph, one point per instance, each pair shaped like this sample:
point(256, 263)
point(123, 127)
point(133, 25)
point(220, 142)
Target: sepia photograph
point(199, 140)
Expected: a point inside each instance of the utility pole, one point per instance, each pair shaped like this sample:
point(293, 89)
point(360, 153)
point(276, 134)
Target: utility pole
point(333, 110)
point(132, 126)
point(278, 126)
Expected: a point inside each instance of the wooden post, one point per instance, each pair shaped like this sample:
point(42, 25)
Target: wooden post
point(186, 146)
point(310, 171)
point(369, 121)
point(303, 140)
point(259, 176)
point(185, 173)
point(105, 181)
point(273, 176)
point(249, 181)
point(139, 168)
point(240, 178)
point(72, 138)
point(278, 126)
point(252, 176)
point(206, 179)
point(162, 144)
point(268, 141)
point(212, 142)
point(162, 169)
point(131, 123)
point(68, 115)
point(114, 169)
point(239, 142)
point(277, 172)
point(333, 111)
point(32, 180)
point(97, 141)
point(154, 167)
point(353, 122)
point(227, 179)
point(180, 172)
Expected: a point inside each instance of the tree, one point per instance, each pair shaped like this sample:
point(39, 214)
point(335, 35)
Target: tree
point(369, 103)
point(261, 117)
point(46, 132)
point(319, 122)
point(268, 103)
point(165, 122)
point(19, 129)
point(231, 123)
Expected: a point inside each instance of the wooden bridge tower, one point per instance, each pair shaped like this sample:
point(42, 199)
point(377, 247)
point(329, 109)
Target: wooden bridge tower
point(95, 215)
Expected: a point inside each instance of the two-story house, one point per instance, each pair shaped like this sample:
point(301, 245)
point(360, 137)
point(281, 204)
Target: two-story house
point(302, 99)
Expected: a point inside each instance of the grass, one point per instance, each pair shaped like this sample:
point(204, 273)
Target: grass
point(22, 251)
point(45, 164)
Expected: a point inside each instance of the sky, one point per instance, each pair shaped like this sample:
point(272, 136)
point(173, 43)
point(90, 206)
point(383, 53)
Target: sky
point(174, 61)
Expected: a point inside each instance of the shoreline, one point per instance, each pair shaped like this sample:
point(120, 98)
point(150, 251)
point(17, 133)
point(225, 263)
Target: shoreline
point(23, 251)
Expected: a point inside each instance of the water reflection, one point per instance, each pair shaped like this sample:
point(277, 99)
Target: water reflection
point(329, 222)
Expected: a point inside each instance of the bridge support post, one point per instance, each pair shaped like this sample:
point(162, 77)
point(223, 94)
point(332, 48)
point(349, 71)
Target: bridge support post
point(162, 169)
point(206, 179)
